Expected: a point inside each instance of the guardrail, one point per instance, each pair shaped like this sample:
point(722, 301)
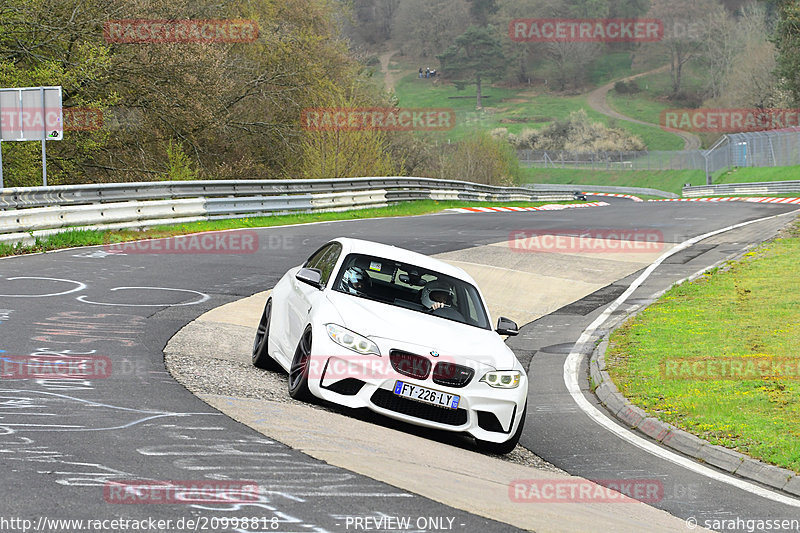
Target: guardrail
point(29, 212)
point(159, 190)
point(601, 188)
point(742, 189)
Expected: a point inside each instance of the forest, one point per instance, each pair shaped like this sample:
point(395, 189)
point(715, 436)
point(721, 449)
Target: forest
point(156, 109)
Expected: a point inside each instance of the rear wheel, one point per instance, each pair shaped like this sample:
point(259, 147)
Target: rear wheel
point(298, 372)
point(502, 448)
point(261, 357)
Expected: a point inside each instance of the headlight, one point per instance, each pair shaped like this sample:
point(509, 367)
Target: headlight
point(351, 340)
point(502, 379)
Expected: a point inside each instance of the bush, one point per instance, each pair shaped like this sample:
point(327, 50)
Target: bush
point(481, 158)
point(180, 168)
point(576, 133)
point(623, 87)
point(691, 99)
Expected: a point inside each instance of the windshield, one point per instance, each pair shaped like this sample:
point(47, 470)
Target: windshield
point(411, 287)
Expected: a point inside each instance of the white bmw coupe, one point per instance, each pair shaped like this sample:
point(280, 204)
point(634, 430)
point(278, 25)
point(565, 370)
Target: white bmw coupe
point(363, 324)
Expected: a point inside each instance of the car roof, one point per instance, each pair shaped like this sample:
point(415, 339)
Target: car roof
point(359, 246)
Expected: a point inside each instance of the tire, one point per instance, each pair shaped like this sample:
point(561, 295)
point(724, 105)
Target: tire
point(298, 372)
point(502, 448)
point(261, 357)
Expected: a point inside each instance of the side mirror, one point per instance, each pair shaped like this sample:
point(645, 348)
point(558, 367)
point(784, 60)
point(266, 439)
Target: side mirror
point(506, 326)
point(310, 276)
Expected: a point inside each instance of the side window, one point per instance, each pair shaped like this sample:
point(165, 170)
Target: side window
point(313, 261)
point(328, 260)
point(473, 313)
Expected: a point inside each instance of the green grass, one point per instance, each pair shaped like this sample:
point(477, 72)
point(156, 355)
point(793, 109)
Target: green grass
point(665, 180)
point(611, 66)
point(747, 174)
point(659, 85)
point(638, 106)
point(749, 309)
point(78, 237)
point(648, 104)
point(513, 109)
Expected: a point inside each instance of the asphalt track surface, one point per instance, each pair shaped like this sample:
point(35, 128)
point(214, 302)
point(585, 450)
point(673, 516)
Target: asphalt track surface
point(63, 441)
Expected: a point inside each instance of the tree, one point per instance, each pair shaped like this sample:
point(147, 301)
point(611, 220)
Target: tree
point(751, 81)
point(342, 153)
point(681, 41)
point(374, 19)
point(731, 43)
point(571, 60)
point(481, 10)
point(476, 54)
point(520, 55)
point(224, 109)
point(481, 158)
point(627, 8)
point(787, 40)
point(38, 46)
point(421, 29)
point(721, 43)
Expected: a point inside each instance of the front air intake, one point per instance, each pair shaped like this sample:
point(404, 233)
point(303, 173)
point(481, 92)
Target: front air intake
point(409, 364)
point(452, 375)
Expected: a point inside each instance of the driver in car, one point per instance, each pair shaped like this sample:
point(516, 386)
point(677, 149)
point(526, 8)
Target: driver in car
point(437, 294)
point(356, 281)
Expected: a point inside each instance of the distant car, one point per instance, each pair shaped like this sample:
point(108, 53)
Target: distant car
point(363, 324)
point(577, 195)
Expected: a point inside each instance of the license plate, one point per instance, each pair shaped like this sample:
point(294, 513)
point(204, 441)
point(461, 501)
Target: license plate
point(425, 395)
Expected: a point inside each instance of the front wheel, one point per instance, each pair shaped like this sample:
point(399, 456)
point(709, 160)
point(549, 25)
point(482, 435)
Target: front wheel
point(298, 372)
point(502, 448)
point(261, 357)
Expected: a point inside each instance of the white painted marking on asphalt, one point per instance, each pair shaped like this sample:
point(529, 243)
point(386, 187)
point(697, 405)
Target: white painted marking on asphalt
point(573, 363)
point(80, 287)
point(203, 297)
point(97, 254)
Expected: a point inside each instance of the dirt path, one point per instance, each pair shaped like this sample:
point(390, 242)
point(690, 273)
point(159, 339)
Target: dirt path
point(597, 101)
point(389, 78)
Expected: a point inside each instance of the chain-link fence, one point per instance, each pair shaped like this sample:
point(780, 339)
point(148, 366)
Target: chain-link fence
point(644, 160)
point(772, 148)
point(775, 148)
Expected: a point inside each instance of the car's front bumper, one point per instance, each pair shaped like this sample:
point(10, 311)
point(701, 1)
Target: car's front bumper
point(344, 377)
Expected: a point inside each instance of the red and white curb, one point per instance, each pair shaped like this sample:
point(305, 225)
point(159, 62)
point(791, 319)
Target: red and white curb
point(613, 195)
point(548, 207)
point(751, 199)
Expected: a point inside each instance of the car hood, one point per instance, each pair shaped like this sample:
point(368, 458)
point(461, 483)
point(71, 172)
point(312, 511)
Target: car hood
point(407, 327)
